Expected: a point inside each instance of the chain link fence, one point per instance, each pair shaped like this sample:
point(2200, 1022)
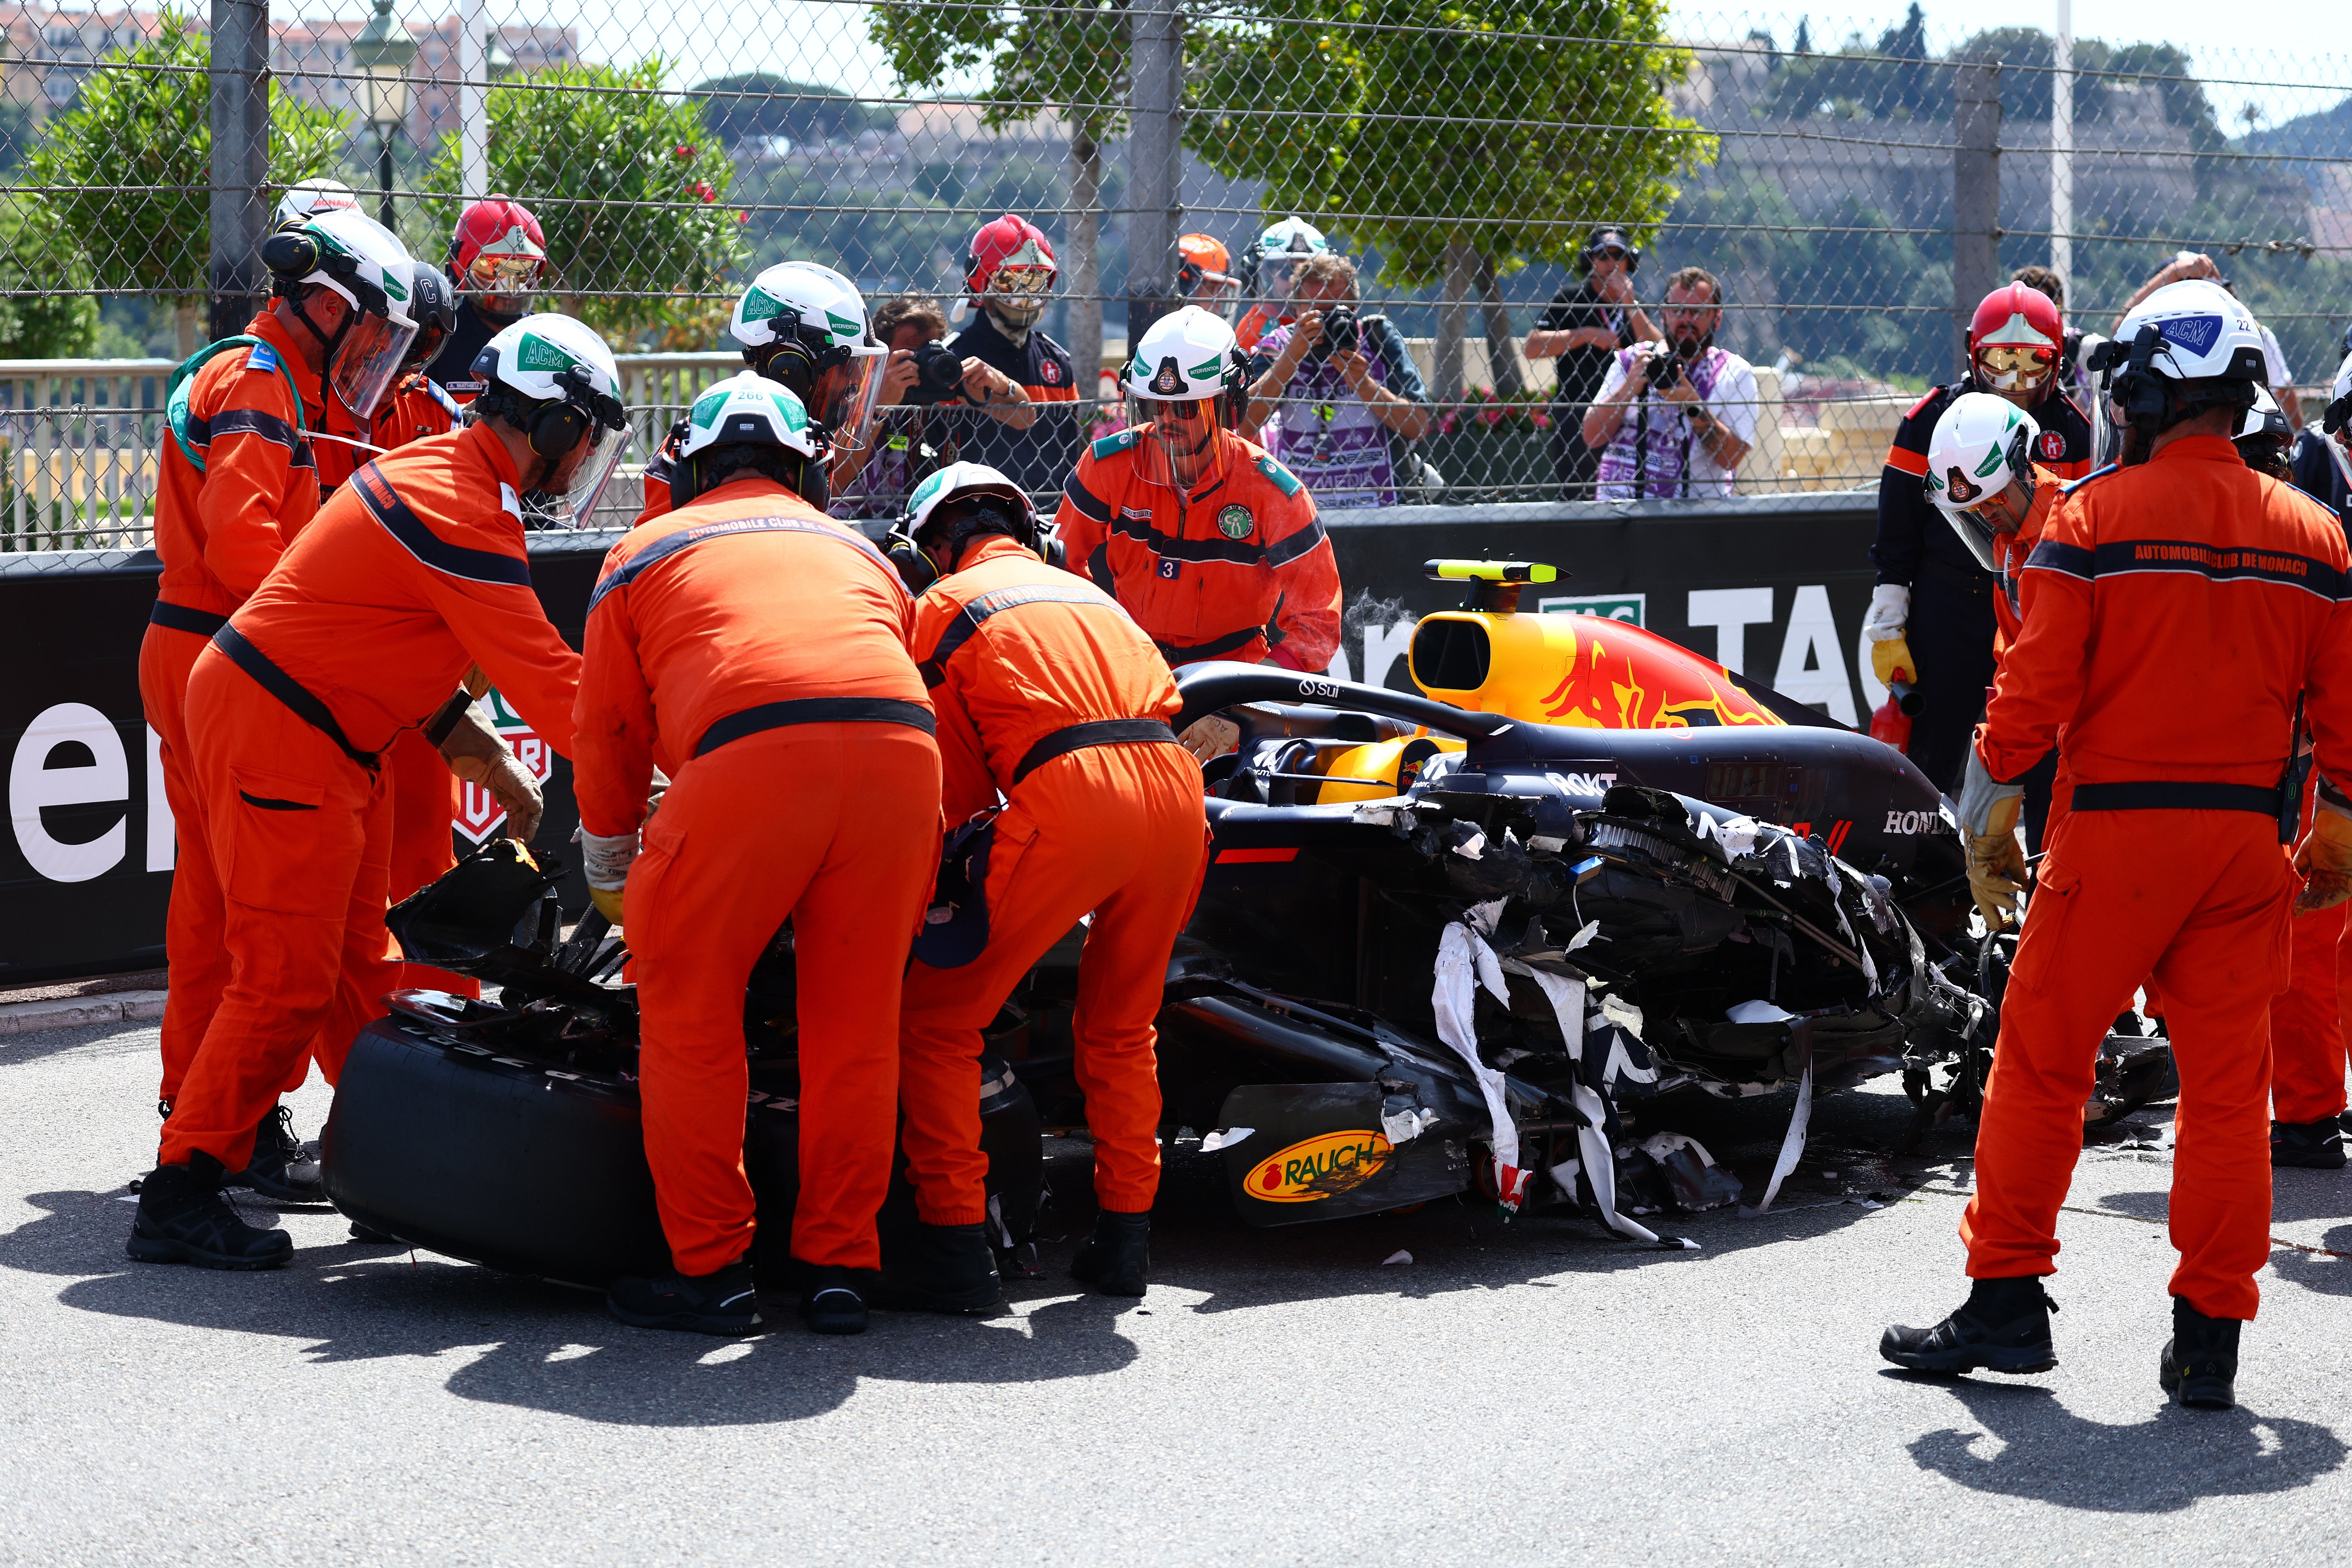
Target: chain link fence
point(1851, 185)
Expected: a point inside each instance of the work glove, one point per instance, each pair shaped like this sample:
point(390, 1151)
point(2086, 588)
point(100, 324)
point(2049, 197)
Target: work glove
point(476, 755)
point(2323, 858)
point(605, 860)
point(1211, 738)
point(1890, 655)
point(1988, 813)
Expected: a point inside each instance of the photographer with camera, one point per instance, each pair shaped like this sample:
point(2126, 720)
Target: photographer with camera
point(1691, 405)
point(922, 374)
point(1584, 327)
point(1333, 396)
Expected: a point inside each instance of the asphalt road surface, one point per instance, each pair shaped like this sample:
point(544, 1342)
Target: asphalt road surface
point(1535, 1392)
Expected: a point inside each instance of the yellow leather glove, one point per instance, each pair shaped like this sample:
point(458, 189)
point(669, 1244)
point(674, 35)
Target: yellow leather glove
point(475, 754)
point(608, 902)
point(2323, 861)
point(1891, 660)
point(1997, 866)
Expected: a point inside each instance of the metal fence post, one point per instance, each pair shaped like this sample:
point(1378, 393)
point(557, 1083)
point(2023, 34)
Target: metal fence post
point(1976, 190)
point(240, 82)
point(473, 114)
point(1155, 100)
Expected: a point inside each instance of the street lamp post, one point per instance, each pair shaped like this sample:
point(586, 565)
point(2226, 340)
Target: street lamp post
point(383, 51)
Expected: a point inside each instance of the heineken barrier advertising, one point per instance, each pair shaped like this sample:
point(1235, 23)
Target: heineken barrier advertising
point(1774, 587)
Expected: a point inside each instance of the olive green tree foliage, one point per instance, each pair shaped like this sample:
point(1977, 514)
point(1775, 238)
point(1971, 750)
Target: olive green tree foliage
point(1071, 58)
point(761, 103)
point(127, 170)
point(1452, 136)
point(46, 309)
point(629, 184)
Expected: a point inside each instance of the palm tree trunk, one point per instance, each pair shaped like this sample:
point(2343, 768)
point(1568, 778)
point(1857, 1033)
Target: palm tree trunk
point(1454, 318)
point(1501, 358)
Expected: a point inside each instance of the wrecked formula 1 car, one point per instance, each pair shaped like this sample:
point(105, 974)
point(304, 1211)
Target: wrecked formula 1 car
point(1474, 943)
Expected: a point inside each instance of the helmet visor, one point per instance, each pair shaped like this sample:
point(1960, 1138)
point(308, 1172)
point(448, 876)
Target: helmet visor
point(1184, 446)
point(2015, 367)
point(575, 505)
point(845, 395)
point(371, 356)
point(1976, 531)
point(1019, 293)
point(510, 278)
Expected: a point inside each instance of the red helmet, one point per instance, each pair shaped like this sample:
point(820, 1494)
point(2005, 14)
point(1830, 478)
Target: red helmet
point(497, 250)
point(2016, 339)
point(1011, 241)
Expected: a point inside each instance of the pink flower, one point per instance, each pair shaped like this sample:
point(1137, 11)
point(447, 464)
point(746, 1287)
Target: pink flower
point(742, 217)
point(1542, 421)
point(703, 188)
point(1490, 416)
point(682, 151)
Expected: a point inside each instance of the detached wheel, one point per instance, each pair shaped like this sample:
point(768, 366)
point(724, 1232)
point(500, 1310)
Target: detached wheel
point(506, 1163)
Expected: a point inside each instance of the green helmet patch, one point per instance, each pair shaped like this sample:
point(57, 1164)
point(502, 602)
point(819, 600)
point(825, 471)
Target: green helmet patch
point(1206, 371)
point(707, 410)
point(538, 353)
point(759, 305)
point(843, 327)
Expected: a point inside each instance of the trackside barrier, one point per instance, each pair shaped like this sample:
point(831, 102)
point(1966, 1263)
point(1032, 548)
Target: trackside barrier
point(1775, 586)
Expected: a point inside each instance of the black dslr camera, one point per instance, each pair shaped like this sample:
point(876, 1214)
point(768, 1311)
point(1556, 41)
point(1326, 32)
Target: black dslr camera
point(1663, 366)
point(1342, 334)
point(939, 375)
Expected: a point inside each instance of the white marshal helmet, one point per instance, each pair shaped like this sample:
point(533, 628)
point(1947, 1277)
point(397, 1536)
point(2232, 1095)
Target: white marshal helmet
point(554, 379)
point(1270, 264)
point(804, 325)
point(955, 482)
point(2202, 332)
point(1186, 354)
point(1982, 448)
point(2336, 421)
point(314, 198)
point(2266, 418)
point(745, 409)
point(921, 564)
point(350, 253)
point(1188, 382)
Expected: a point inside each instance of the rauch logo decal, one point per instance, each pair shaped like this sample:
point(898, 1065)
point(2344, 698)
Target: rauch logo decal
point(1317, 1167)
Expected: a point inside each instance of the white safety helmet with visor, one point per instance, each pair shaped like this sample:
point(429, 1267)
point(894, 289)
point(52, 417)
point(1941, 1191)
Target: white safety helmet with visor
point(1271, 266)
point(1980, 470)
point(804, 325)
point(365, 263)
point(747, 410)
point(553, 379)
point(1185, 390)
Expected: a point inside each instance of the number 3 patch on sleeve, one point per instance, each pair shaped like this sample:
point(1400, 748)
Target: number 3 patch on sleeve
point(1169, 567)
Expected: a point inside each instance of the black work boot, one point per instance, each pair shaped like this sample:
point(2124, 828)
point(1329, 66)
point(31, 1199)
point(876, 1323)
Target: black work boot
point(2307, 1145)
point(830, 1302)
point(1116, 1261)
point(183, 1219)
point(282, 1168)
point(2200, 1368)
point(944, 1268)
point(720, 1303)
point(2005, 1326)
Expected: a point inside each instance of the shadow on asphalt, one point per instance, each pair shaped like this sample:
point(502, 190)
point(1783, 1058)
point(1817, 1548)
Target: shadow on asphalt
point(2162, 1465)
point(518, 1341)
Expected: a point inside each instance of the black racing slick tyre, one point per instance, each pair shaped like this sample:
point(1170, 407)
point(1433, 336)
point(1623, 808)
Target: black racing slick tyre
point(510, 1163)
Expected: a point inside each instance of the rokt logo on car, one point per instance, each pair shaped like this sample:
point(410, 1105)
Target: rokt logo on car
point(1315, 1168)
